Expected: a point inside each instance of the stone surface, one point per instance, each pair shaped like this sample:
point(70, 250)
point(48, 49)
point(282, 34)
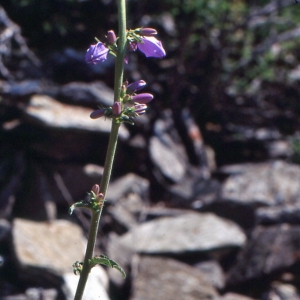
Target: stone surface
point(263, 184)
point(271, 249)
point(96, 287)
point(169, 279)
point(51, 246)
point(213, 272)
point(122, 187)
point(51, 113)
point(189, 232)
point(81, 93)
point(234, 296)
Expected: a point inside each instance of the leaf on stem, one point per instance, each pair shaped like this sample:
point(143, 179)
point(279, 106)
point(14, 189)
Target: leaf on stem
point(104, 260)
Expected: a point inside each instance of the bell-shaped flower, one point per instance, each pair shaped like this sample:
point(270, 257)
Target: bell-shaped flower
point(151, 47)
point(96, 53)
point(142, 98)
point(135, 86)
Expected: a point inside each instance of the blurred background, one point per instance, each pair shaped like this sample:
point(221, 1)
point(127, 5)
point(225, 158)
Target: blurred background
point(205, 193)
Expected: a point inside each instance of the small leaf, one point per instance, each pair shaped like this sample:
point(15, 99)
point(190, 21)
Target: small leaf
point(104, 260)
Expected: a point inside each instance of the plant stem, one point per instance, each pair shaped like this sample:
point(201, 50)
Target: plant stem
point(119, 70)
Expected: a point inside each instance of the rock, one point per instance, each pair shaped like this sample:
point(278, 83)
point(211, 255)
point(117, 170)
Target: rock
point(189, 232)
point(282, 291)
point(263, 184)
point(169, 279)
point(130, 183)
point(96, 287)
point(49, 112)
point(46, 250)
point(39, 293)
point(166, 150)
point(289, 213)
point(269, 250)
point(87, 94)
point(213, 272)
point(234, 296)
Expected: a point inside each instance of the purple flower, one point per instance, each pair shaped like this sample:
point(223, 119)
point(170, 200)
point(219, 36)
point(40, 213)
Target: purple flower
point(96, 53)
point(116, 109)
point(111, 37)
point(140, 109)
point(142, 98)
point(151, 47)
point(135, 86)
point(97, 113)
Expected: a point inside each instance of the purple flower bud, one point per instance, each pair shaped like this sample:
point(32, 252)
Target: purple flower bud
point(96, 53)
point(97, 113)
point(116, 109)
point(140, 109)
point(111, 37)
point(96, 189)
point(151, 47)
point(135, 86)
point(142, 98)
point(148, 32)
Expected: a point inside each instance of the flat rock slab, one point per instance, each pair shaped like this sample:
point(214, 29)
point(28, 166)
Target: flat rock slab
point(189, 232)
point(52, 113)
point(54, 246)
point(168, 279)
point(263, 184)
point(269, 250)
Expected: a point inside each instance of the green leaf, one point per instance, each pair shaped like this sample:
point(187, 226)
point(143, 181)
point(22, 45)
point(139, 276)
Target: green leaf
point(104, 260)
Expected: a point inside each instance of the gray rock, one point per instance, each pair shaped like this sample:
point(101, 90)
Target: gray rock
point(289, 213)
point(96, 286)
point(166, 149)
point(263, 184)
point(234, 296)
point(282, 291)
point(164, 155)
point(81, 93)
point(269, 250)
point(189, 232)
point(168, 279)
point(122, 187)
point(49, 112)
point(213, 272)
point(46, 250)
point(40, 293)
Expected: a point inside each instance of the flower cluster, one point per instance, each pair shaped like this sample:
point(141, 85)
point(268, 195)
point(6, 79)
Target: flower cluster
point(130, 105)
point(142, 39)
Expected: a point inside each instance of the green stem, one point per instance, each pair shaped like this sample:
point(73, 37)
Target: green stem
point(119, 70)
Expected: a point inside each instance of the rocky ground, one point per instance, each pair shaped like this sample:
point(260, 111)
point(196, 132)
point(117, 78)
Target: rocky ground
point(180, 229)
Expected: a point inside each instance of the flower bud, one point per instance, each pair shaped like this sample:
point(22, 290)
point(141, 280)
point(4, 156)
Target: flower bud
point(97, 113)
point(148, 32)
point(142, 98)
point(111, 37)
point(116, 109)
point(135, 86)
point(96, 189)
